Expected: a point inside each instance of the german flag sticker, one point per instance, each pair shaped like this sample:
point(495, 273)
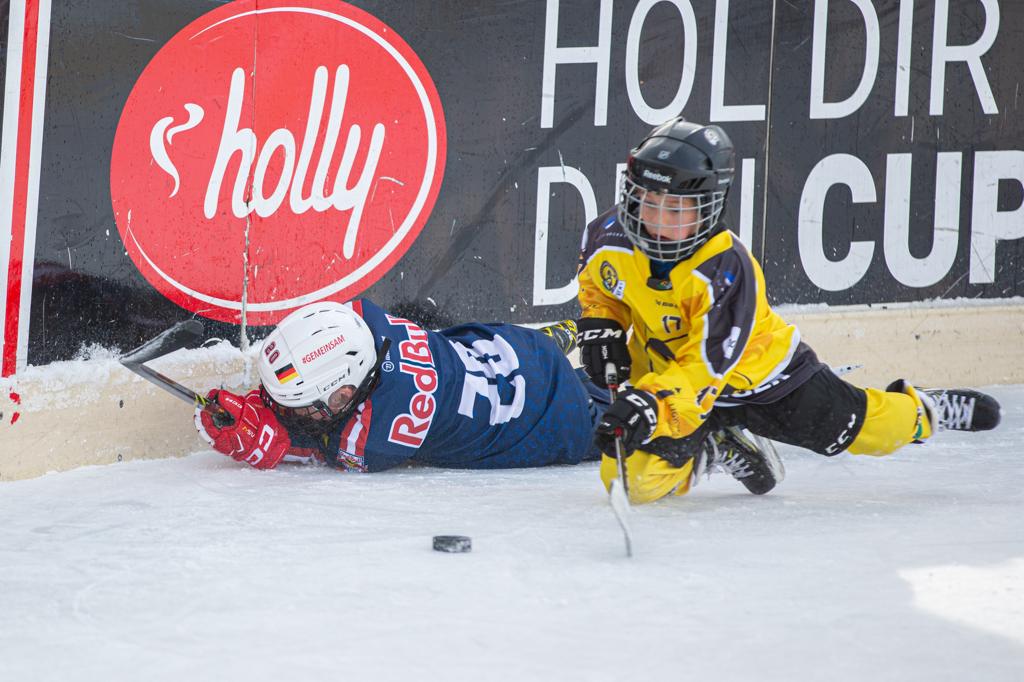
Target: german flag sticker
point(286, 374)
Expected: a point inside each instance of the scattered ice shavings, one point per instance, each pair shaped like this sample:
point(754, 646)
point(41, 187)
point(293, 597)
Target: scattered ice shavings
point(96, 371)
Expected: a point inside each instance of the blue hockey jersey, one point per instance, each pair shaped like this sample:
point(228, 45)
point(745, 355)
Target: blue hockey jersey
point(475, 396)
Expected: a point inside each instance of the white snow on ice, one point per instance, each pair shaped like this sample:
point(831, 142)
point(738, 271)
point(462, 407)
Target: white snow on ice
point(902, 568)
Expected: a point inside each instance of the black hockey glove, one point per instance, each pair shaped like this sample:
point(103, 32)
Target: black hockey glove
point(632, 416)
point(602, 341)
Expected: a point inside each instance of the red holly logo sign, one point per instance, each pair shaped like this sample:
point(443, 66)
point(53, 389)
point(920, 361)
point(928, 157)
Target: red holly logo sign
point(273, 154)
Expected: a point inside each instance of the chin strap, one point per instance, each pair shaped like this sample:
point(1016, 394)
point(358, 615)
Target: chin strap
point(368, 384)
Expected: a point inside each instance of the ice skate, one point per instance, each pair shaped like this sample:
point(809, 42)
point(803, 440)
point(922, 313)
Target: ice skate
point(954, 409)
point(757, 466)
point(562, 333)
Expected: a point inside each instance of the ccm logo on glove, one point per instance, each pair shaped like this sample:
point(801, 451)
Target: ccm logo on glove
point(632, 418)
point(597, 334)
point(647, 412)
point(266, 439)
point(602, 341)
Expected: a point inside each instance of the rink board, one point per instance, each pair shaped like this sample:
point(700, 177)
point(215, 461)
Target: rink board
point(96, 412)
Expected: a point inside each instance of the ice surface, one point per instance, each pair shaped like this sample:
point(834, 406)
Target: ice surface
point(903, 568)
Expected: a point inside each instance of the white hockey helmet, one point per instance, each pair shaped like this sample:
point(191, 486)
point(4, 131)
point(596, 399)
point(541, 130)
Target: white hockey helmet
point(313, 352)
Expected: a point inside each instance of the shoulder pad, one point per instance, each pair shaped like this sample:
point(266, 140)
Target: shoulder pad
point(604, 232)
point(726, 267)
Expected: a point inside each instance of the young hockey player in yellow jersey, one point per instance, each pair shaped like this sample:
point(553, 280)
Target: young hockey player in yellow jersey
point(708, 356)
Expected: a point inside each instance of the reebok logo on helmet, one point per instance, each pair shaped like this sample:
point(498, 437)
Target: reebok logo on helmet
point(657, 177)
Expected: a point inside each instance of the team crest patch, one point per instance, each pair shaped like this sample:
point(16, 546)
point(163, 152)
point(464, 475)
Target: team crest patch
point(350, 462)
point(609, 276)
point(611, 281)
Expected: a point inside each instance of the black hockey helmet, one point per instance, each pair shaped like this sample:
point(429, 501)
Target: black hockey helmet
point(676, 159)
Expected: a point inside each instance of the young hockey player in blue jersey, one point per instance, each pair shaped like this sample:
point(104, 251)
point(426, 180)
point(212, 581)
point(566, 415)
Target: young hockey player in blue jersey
point(708, 356)
point(362, 390)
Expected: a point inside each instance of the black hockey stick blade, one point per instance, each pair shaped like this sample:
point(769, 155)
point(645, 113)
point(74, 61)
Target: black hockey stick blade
point(187, 334)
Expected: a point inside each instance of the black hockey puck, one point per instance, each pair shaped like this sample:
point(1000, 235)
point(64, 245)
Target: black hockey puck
point(452, 543)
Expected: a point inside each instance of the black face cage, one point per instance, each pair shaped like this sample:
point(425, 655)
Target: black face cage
point(302, 419)
point(634, 197)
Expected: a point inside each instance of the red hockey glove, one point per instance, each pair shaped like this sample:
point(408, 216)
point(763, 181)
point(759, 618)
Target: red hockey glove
point(255, 437)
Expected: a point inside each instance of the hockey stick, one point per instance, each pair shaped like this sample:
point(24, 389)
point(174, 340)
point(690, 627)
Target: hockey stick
point(187, 334)
point(618, 491)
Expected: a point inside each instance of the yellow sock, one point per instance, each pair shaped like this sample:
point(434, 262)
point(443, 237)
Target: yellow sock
point(891, 421)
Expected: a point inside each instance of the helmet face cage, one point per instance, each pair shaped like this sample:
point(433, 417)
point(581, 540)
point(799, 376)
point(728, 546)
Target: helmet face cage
point(311, 420)
point(318, 418)
point(633, 198)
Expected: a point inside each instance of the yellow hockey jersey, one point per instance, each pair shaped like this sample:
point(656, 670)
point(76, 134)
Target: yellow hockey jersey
point(703, 335)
